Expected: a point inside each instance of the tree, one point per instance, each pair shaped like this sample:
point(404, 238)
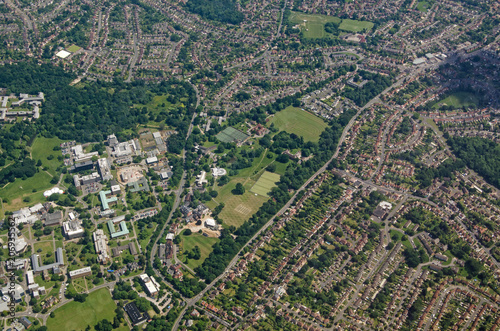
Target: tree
point(239, 189)
point(103, 325)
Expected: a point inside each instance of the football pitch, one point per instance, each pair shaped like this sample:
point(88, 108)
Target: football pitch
point(265, 183)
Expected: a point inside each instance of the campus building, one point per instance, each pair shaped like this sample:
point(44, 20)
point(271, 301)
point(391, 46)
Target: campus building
point(38, 268)
point(87, 271)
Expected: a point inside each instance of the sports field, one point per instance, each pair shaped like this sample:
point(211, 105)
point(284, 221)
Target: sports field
point(238, 208)
point(230, 134)
point(300, 122)
point(196, 239)
point(265, 183)
point(313, 26)
point(458, 100)
point(355, 26)
point(76, 316)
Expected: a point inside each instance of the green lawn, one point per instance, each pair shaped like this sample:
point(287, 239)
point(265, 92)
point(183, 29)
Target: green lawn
point(355, 26)
point(300, 122)
point(265, 183)
point(458, 100)
point(44, 147)
point(196, 239)
point(76, 316)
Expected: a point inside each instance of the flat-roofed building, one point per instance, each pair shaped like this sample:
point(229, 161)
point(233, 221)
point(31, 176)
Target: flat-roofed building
point(101, 246)
point(87, 271)
point(73, 229)
point(152, 287)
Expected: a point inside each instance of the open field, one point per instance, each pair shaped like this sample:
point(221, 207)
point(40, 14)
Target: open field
point(313, 26)
point(458, 100)
point(355, 26)
point(300, 122)
point(196, 239)
point(238, 208)
point(44, 147)
point(265, 183)
point(76, 316)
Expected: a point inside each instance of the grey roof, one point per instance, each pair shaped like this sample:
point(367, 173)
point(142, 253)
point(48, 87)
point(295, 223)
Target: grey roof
point(39, 268)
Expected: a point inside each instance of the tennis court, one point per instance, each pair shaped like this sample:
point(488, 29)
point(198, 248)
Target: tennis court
point(230, 134)
point(265, 183)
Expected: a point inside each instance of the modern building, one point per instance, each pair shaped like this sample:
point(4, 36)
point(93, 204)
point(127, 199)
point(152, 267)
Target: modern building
point(85, 180)
point(104, 169)
point(201, 178)
point(136, 317)
point(30, 278)
point(87, 165)
point(54, 218)
point(73, 229)
point(80, 156)
point(152, 287)
point(38, 268)
point(122, 232)
point(211, 224)
point(218, 172)
point(140, 185)
point(151, 160)
point(105, 200)
point(112, 140)
point(87, 271)
point(101, 246)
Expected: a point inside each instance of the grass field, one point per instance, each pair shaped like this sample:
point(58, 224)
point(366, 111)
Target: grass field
point(423, 6)
point(458, 100)
point(313, 26)
point(76, 316)
point(196, 239)
point(238, 208)
point(46, 247)
point(265, 183)
point(16, 191)
point(300, 122)
point(355, 26)
point(73, 48)
point(42, 148)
